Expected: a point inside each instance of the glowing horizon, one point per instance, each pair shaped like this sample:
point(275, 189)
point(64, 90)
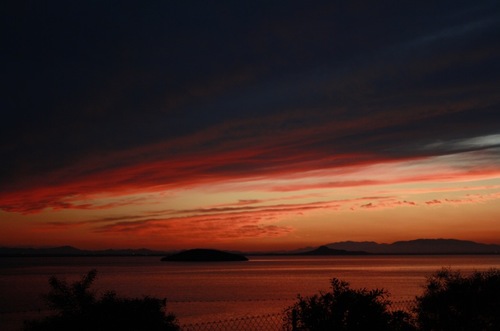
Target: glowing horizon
point(276, 211)
point(286, 130)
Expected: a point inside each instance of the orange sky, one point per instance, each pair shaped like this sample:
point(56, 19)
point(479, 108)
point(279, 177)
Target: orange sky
point(249, 125)
point(385, 202)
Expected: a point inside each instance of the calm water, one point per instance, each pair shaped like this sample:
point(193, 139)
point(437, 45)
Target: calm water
point(207, 291)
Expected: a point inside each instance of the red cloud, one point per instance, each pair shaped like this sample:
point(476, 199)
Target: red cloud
point(231, 152)
point(218, 223)
point(384, 203)
point(194, 228)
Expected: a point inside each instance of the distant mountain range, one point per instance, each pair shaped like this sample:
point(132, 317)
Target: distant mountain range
point(324, 250)
point(418, 246)
point(72, 251)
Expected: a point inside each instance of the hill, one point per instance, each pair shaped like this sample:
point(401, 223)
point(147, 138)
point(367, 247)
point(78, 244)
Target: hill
point(72, 251)
point(324, 250)
point(419, 246)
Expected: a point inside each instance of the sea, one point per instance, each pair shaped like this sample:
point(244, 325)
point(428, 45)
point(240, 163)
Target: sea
point(204, 292)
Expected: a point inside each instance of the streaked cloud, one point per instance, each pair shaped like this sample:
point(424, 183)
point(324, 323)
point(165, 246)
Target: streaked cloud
point(244, 119)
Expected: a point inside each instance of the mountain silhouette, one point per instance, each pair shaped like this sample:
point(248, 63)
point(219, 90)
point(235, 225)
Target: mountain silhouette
point(324, 250)
point(420, 246)
point(72, 251)
point(417, 246)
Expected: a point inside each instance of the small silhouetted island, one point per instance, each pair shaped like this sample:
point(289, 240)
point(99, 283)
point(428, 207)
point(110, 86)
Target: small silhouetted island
point(204, 255)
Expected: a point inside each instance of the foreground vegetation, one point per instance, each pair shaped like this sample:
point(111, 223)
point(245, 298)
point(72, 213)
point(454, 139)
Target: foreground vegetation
point(77, 308)
point(346, 309)
point(451, 301)
point(454, 302)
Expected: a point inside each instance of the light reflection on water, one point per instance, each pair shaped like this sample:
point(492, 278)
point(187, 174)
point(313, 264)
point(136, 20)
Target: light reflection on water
point(208, 291)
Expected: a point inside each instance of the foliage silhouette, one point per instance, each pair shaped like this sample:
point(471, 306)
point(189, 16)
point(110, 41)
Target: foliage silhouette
point(76, 307)
point(346, 309)
point(455, 302)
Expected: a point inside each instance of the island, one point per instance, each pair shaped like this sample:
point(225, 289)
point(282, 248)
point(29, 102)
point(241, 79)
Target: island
point(204, 255)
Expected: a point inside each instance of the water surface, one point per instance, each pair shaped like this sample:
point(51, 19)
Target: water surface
point(211, 291)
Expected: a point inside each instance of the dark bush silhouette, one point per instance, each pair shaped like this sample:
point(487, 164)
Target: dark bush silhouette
point(346, 309)
point(78, 308)
point(455, 302)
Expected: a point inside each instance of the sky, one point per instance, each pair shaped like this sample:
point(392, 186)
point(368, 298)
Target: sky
point(248, 125)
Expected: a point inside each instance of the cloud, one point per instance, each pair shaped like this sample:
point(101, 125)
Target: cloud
point(196, 228)
point(467, 199)
point(213, 217)
point(217, 222)
point(472, 199)
point(474, 143)
point(285, 96)
point(246, 218)
point(385, 203)
point(116, 187)
point(326, 185)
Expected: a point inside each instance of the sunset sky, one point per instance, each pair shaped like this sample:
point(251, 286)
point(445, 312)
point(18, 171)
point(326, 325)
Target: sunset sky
point(249, 125)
